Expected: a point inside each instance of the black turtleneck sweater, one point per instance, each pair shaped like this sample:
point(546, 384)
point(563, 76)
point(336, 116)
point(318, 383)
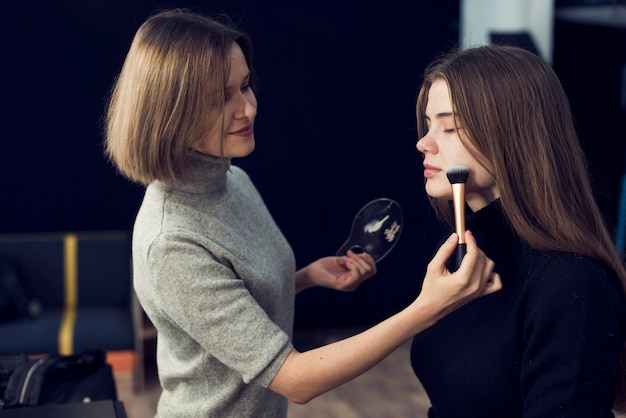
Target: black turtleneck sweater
point(546, 345)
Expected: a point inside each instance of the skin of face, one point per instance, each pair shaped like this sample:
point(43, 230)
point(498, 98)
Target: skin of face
point(236, 131)
point(442, 148)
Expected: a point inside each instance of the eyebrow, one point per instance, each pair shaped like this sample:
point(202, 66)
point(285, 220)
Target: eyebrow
point(440, 115)
point(246, 78)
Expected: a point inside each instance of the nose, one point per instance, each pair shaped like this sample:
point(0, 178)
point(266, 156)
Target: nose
point(246, 108)
point(424, 144)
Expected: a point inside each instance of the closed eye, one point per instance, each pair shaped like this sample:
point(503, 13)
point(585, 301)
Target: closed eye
point(245, 86)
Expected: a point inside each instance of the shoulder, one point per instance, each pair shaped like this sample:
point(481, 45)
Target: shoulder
point(561, 278)
point(238, 176)
point(240, 180)
point(239, 173)
point(166, 246)
point(563, 268)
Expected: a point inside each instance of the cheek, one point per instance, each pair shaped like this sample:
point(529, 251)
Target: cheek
point(211, 143)
point(481, 180)
point(254, 102)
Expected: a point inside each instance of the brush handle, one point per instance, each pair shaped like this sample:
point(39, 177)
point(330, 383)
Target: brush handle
point(454, 262)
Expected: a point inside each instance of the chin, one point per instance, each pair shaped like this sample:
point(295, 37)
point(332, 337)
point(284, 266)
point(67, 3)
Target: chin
point(242, 151)
point(249, 149)
point(437, 191)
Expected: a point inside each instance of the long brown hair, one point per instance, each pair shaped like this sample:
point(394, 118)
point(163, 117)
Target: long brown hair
point(516, 114)
point(169, 93)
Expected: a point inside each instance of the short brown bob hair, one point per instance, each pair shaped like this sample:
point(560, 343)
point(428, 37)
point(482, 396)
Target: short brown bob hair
point(169, 93)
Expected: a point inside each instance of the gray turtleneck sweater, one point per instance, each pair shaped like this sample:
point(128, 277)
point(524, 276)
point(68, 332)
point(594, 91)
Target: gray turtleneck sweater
point(216, 277)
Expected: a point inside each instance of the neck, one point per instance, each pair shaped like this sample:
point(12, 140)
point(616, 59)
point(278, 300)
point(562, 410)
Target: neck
point(478, 201)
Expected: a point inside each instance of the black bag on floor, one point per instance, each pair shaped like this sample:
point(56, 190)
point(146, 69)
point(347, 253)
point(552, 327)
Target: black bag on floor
point(56, 379)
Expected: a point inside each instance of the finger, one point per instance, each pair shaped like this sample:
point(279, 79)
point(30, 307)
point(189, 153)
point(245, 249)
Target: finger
point(363, 262)
point(494, 283)
point(444, 252)
point(359, 270)
point(359, 256)
point(489, 266)
point(475, 269)
point(490, 281)
point(342, 261)
point(470, 243)
point(370, 264)
point(353, 267)
point(473, 255)
point(368, 258)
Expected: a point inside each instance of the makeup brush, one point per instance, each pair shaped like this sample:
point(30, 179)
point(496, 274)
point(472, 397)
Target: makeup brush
point(457, 175)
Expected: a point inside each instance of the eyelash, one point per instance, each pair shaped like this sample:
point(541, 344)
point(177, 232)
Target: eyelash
point(244, 88)
point(447, 131)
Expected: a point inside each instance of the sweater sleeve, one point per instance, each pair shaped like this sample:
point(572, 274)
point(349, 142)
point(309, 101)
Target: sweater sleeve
point(573, 331)
point(202, 298)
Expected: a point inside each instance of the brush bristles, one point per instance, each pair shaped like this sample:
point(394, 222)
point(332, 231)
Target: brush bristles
point(457, 174)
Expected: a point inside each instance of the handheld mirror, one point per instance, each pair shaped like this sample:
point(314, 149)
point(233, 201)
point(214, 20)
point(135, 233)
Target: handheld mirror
point(375, 230)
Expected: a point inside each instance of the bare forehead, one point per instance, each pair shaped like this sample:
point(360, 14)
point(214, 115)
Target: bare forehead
point(238, 65)
point(439, 104)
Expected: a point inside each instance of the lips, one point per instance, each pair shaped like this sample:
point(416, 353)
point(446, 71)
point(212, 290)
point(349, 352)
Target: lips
point(245, 131)
point(430, 170)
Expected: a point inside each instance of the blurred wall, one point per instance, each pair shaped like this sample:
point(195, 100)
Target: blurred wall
point(590, 59)
point(482, 18)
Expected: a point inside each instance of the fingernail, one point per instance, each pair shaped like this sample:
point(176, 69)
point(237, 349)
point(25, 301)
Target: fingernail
point(452, 238)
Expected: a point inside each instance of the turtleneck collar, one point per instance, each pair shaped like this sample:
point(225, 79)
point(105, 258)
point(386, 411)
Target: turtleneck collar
point(206, 174)
point(493, 231)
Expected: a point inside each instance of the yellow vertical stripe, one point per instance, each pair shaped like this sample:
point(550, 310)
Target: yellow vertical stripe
point(66, 331)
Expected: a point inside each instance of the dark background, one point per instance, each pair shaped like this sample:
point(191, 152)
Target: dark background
point(335, 129)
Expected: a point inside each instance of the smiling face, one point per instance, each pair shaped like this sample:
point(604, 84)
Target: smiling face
point(236, 132)
point(445, 145)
